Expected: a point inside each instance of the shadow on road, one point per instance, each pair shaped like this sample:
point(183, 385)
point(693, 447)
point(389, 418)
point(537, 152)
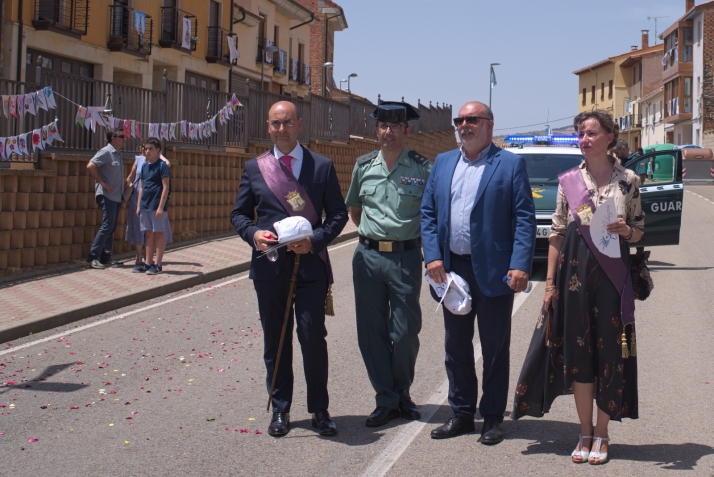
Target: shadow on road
point(39, 384)
point(560, 438)
point(351, 430)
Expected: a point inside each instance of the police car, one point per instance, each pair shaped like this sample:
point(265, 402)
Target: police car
point(662, 192)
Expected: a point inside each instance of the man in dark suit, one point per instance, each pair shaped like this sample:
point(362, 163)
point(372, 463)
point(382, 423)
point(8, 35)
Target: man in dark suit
point(314, 179)
point(478, 220)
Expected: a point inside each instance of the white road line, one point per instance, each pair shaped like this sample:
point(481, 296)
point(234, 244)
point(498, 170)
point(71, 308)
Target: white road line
point(389, 456)
point(14, 349)
point(701, 196)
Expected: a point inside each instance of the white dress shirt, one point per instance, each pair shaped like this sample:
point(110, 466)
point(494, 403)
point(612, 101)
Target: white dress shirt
point(297, 158)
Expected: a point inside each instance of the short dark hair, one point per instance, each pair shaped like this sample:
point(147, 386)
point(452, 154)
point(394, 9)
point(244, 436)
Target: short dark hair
point(622, 143)
point(153, 141)
point(110, 134)
point(603, 118)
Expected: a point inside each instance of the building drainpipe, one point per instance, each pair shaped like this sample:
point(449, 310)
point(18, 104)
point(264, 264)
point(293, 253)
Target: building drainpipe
point(327, 27)
point(19, 41)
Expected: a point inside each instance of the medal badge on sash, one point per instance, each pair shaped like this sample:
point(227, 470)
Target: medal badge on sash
point(585, 213)
point(296, 202)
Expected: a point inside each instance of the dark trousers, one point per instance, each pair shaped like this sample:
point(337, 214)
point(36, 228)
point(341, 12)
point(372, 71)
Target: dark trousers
point(309, 310)
point(102, 246)
point(494, 329)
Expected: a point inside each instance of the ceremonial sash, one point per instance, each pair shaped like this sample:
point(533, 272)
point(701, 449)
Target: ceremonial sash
point(581, 206)
point(283, 184)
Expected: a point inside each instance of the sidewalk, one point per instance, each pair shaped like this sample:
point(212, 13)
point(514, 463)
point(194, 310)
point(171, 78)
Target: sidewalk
point(46, 302)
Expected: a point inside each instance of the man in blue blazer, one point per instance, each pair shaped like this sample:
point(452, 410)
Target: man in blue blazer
point(256, 209)
point(478, 220)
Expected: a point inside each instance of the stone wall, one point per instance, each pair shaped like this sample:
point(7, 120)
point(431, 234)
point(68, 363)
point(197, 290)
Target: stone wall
point(48, 217)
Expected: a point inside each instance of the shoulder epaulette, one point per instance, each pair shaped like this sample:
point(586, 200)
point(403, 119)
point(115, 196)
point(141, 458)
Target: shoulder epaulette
point(362, 160)
point(418, 157)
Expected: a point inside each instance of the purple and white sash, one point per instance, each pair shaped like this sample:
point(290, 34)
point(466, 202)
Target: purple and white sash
point(579, 200)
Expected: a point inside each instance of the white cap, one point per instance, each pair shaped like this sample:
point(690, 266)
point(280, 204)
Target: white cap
point(292, 228)
point(455, 293)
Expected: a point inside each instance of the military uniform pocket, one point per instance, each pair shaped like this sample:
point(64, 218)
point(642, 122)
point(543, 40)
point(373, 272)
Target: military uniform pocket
point(409, 200)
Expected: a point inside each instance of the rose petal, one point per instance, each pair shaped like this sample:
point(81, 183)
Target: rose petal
point(32, 439)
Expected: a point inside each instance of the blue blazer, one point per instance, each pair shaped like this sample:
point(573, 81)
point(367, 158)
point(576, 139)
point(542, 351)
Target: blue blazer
point(503, 223)
point(257, 208)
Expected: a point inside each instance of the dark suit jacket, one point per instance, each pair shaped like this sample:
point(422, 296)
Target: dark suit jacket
point(503, 223)
point(319, 179)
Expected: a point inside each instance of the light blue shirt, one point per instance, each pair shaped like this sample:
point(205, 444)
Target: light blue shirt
point(464, 187)
point(296, 154)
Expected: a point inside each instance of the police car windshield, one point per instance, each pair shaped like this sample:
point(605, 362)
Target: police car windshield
point(544, 168)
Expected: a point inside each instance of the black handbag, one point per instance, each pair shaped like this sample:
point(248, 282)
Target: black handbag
point(642, 284)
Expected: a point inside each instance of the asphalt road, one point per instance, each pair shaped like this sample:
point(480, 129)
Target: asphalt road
point(176, 386)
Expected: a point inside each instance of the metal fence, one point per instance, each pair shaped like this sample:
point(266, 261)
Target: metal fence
point(322, 118)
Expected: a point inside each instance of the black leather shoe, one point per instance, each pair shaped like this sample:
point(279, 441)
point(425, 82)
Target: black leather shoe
point(325, 426)
point(279, 424)
point(409, 410)
point(457, 424)
point(491, 433)
point(381, 416)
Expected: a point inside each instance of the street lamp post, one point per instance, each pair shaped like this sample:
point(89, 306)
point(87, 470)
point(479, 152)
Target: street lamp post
point(329, 64)
point(491, 82)
point(342, 81)
point(268, 49)
point(353, 75)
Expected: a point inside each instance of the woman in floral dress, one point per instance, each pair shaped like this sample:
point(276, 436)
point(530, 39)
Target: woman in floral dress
point(577, 345)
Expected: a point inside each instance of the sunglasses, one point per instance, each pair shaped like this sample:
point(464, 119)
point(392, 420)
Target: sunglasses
point(472, 120)
point(120, 136)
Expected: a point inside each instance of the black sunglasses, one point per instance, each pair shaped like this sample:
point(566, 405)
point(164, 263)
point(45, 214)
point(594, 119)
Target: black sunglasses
point(120, 136)
point(472, 120)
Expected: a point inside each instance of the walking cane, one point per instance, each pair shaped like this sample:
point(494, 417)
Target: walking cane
point(293, 279)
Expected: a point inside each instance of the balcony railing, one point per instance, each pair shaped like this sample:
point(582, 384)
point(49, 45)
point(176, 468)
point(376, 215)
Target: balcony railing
point(218, 51)
point(67, 16)
point(130, 30)
point(263, 56)
point(280, 62)
point(173, 33)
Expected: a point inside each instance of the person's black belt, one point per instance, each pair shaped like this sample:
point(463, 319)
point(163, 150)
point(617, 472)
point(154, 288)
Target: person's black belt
point(390, 246)
point(463, 257)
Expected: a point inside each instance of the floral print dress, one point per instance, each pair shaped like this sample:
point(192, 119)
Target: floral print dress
point(584, 329)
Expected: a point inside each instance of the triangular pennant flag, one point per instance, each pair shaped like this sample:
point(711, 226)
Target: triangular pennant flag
point(2, 149)
point(127, 128)
point(11, 146)
point(183, 128)
point(137, 133)
point(45, 142)
point(50, 96)
point(117, 123)
point(37, 140)
point(6, 106)
point(41, 100)
point(191, 131)
point(164, 131)
point(22, 144)
point(172, 131)
point(213, 124)
point(13, 106)
point(30, 103)
point(21, 105)
point(53, 132)
point(152, 130)
point(234, 102)
point(81, 116)
point(221, 118)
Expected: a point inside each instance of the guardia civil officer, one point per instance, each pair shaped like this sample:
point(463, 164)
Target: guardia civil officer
point(384, 199)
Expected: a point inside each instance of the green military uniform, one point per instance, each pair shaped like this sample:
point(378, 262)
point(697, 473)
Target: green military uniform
point(387, 284)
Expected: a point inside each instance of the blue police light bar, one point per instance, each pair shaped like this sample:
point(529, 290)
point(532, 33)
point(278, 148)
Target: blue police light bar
point(543, 140)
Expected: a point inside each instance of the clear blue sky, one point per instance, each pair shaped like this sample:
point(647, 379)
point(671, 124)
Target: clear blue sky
point(440, 51)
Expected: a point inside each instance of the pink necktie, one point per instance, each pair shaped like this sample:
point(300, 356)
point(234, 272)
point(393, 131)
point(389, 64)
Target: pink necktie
point(288, 161)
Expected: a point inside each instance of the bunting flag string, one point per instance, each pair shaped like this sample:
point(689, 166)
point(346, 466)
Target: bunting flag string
point(17, 105)
point(91, 116)
point(37, 139)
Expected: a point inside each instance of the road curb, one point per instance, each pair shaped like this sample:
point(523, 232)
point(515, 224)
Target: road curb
point(43, 324)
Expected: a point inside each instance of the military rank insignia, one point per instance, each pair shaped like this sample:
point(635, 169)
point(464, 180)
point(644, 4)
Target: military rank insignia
point(411, 181)
point(585, 213)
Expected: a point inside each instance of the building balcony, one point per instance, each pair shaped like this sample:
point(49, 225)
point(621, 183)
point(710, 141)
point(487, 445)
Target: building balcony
point(263, 56)
point(280, 63)
point(69, 17)
point(218, 51)
point(176, 32)
point(130, 31)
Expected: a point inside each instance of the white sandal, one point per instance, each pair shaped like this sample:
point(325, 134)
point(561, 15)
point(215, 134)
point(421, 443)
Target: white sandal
point(581, 453)
point(596, 454)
